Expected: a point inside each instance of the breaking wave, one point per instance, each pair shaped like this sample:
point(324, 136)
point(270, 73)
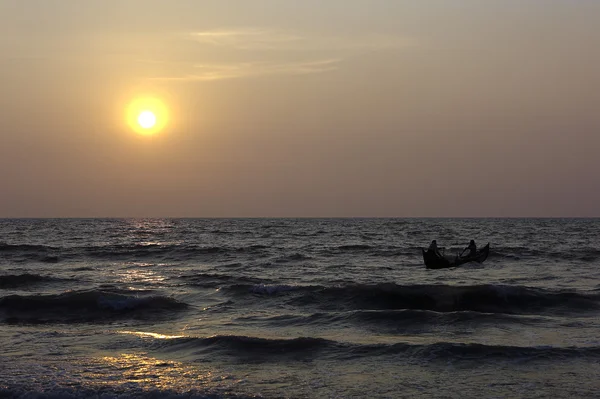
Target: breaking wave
point(265, 349)
point(186, 251)
point(21, 280)
point(393, 320)
point(89, 305)
point(439, 298)
point(25, 252)
point(117, 392)
point(213, 280)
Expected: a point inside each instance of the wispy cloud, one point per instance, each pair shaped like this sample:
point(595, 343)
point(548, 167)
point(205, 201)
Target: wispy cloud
point(208, 72)
point(246, 39)
point(263, 39)
point(243, 47)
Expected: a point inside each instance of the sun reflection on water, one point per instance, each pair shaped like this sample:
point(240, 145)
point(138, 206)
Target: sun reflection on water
point(140, 276)
point(151, 373)
point(151, 335)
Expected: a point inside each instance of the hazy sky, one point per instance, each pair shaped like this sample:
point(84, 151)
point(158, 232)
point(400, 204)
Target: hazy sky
point(301, 108)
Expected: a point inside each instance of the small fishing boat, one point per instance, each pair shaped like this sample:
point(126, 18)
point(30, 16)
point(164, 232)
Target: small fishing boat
point(434, 260)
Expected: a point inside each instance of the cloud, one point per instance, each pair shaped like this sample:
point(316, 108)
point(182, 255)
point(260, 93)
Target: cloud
point(208, 72)
point(253, 52)
point(246, 39)
point(262, 39)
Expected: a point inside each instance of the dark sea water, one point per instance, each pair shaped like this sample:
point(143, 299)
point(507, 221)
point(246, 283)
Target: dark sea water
point(299, 308)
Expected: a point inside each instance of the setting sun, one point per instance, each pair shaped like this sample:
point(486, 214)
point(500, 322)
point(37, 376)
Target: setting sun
point(147, 116)
point(147, 119)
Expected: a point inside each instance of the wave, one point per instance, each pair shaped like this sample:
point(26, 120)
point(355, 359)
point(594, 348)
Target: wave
point(83, 269)
point(186, 251)
point(405, 320)
point(88, 305)
point(355, 247)
point(580, 254)
point(268, 289)
point(439, 298)
point(211, 280)
point(26, 279)
point(175, 251)
point(152, 250)
point(51, 254)
point(110, 391)
point(583, 254)
point(4, 247)
point(295, 257)
point(383, 251)
point(254, 348)
point(25, 252)
point(309, 347)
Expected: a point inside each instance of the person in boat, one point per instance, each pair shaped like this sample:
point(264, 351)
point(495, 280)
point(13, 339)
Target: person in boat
point(472, 248)
point(433, 247)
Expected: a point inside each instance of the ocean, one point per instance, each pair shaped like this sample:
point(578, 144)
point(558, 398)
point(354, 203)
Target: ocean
point(297, 308)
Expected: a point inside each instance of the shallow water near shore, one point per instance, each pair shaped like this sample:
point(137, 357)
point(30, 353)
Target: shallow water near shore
point(297, 308)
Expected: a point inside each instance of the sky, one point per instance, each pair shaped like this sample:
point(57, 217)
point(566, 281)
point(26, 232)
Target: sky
point(281, 108)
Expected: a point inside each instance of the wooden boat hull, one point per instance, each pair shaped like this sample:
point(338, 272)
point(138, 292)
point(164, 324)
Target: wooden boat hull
point(433, 260)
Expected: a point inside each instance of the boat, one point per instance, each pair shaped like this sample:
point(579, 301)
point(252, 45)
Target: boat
point(434, 260)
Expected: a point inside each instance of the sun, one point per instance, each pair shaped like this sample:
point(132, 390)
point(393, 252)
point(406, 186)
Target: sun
point(147, 119)
point(147, 115)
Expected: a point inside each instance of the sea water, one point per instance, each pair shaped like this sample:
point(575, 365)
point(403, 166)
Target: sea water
point(298, 308)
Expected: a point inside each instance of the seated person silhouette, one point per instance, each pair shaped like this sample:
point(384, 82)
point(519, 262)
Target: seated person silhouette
point(472, 249)
point(434, 248)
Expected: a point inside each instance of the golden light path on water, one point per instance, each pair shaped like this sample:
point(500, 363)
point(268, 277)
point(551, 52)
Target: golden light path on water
point(150, 374)
point(147, 373)
point(140, 276)
point(151, 334)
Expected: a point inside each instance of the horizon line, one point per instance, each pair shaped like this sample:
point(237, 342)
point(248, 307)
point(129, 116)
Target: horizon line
point(288, 217)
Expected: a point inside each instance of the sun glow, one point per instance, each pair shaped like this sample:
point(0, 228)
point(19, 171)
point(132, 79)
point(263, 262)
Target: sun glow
point(147, 116)
point(147, 119)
